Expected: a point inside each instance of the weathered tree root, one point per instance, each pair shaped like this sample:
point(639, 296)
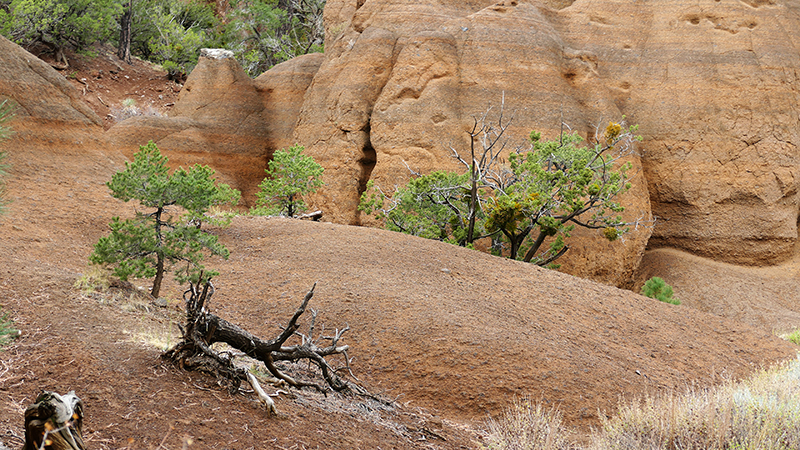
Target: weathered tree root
point(204, 329)
point(54, 422)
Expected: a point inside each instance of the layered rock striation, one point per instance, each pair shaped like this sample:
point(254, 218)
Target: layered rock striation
point(713, 86)
point(225, 119)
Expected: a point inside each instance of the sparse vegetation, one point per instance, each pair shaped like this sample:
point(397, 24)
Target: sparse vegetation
point(793, 337)
point(7, 331)
point(151, 242)
point(526, 425)
point(130, 108)
point(290, 175)
point(658, 289)
point(761, 412)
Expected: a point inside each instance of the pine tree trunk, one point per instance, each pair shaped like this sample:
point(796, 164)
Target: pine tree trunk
point(159, 276)
point(159, 255)
point(124, 50)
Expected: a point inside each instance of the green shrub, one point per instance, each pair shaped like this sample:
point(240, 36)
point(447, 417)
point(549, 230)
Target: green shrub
point(7, 331)
point(793, 337)
point(290, 176)
point(658, 289)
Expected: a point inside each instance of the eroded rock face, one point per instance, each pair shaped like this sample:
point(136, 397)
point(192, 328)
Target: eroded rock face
point(397, 92)
point(713, 86)
point(47, 106)
point(225, 119)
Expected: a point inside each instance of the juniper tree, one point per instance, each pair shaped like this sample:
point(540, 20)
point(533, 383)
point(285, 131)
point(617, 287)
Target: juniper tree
point(167, 233)
point(536, 198)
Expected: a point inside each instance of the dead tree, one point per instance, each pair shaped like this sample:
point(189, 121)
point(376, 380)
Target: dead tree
point(203, 329)
point(54, 422)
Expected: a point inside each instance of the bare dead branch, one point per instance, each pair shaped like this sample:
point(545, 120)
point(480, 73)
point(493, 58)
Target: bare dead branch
point(202, 329)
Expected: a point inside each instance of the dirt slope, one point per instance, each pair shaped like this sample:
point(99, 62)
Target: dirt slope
point(764, 297)
point(452, 330)
point(435, 326)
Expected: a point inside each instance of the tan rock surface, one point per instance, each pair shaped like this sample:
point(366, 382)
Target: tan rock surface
point(442, 72)
point(48, 108)
point(714, 86)
point(226, 120)
point(282, 90)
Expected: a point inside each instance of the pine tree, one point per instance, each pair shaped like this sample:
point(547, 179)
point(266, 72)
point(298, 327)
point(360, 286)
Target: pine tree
point(290, 176)
point(148, 244)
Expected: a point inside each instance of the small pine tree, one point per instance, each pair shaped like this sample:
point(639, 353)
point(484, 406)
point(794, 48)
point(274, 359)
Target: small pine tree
point(290, 176)
point(658, 289)
point(146, 245)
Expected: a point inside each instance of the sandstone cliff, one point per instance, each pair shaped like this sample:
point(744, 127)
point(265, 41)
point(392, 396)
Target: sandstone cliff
point(712, 84)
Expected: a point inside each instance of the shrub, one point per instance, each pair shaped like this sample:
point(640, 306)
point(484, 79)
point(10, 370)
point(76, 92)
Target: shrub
point(658, 289)
point(60, 23)
point(530, 427)
point(532, 203)
point(290, 176)
point(759, 413)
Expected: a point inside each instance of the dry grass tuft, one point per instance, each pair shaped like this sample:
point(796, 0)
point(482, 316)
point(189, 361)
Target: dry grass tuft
point(528, 426)
point(762, 412)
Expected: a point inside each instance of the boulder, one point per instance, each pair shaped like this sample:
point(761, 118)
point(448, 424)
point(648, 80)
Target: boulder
point(48, 108)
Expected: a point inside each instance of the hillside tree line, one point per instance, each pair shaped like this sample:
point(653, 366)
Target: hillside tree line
point(261, 33)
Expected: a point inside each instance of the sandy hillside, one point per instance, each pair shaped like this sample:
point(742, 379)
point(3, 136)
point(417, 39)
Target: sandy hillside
point(450, 334)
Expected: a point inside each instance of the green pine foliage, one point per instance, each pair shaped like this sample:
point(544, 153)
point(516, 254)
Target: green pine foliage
point(528, 206)
point(160, 237)
point(172, 32)
point(433, 206)
point(658, 289)
point(290, 175)
point(60, 23)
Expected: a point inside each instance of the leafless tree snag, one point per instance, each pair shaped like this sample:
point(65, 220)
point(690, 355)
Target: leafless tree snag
point(203, 329)
point(54, 422)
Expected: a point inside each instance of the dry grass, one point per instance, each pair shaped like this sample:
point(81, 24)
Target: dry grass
point(762, 412)
point(526, 425)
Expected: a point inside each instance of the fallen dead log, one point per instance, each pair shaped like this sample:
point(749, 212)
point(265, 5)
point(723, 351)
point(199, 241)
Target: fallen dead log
point(202, 329)
point(54, 422)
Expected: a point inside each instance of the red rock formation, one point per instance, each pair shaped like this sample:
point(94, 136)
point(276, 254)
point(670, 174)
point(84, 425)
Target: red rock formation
point(402, 82)
point(225, 119)
point(48, 107)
